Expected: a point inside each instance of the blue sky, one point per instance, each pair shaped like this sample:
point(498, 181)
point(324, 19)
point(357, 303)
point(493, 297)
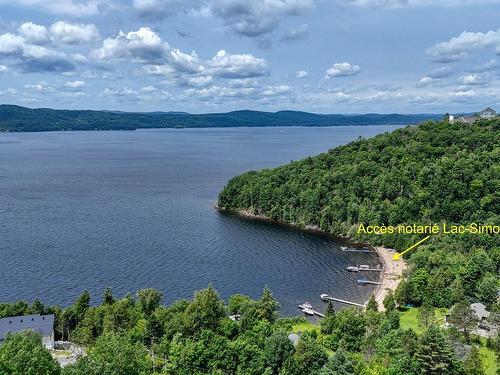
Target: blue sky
point(326, 56)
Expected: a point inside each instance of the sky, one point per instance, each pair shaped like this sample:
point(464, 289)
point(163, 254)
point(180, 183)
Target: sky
point(323, 56)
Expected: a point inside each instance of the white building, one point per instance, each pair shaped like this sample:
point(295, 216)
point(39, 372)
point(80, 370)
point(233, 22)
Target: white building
point(41, 324)
point(487, 113)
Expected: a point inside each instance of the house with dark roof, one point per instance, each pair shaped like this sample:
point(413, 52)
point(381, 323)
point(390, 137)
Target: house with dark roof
point(466, 119)
point(487, 113)
point(41, 324)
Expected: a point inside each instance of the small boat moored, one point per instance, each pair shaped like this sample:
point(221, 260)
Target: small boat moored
point(352, 269)
point(306, 305)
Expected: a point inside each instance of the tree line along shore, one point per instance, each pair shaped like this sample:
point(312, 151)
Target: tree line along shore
point(138, 334)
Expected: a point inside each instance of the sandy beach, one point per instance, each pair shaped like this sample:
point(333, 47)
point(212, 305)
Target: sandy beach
point(391, 276)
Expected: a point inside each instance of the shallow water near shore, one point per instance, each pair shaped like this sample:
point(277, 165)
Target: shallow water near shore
point(130, 210)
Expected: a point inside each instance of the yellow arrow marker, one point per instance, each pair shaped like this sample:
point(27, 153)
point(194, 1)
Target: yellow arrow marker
point(397, 256)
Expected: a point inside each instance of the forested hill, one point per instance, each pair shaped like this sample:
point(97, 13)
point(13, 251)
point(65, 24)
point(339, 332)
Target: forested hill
point(435, 172)
point(21, 119)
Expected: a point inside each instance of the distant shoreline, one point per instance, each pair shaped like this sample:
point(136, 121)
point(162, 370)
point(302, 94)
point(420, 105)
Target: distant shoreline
point(2, 131)
point(393, 270)
point(15, 118)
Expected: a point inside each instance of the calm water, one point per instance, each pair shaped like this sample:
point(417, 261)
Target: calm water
point(86, 210)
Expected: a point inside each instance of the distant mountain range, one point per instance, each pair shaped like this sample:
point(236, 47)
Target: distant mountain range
point(21, 119)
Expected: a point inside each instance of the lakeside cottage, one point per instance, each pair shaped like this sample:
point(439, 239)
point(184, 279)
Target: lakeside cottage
point(487, 113)
point(41, 324)
point(482, 315)
point(483, 326)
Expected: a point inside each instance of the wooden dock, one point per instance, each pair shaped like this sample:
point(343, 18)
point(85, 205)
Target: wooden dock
point(379, 269)
point(314, 312)
point(330, 298)
point(364, 282)
point(359, 251)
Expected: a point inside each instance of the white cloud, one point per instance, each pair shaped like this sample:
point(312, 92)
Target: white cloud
point(218, 93)
point(39, 87)
point(188, 70)
point(436, 77)
point(183, 62)
point(119, 92)
point(33, 58)
point(74, 84)
point(276, 90)
point(159, 70)
point(33, 33)
point(425, 81)
point(479, 79)
point(301, 74)
point(78, 57)
point(461, 46)
point(201, 81)
point(67, 33)
point(3, 68)
point(462, 95)
point(59, 32)
point(11, 44)
point(10, 92)
point(145, 94)
point(143, 45)
point(343, 69)
point(226, 65)
point(148, 89)
point(425, 98)
point(243, 82)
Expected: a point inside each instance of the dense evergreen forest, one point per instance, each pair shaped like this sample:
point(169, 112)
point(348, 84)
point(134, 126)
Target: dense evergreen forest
point(138, 335)
point(21, 119)
point(432, 173)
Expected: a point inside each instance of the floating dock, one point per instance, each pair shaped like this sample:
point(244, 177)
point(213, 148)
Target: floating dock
point(372, 269)
point(326, 297)
point(364, 282)
point(318, 314)
point(310, 311)
point(358, 250)
point(364, 269)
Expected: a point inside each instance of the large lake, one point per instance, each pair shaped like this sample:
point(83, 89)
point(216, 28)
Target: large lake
point(130, 210)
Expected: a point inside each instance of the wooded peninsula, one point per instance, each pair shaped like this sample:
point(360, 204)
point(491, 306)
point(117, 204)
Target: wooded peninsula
point(432, 173)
